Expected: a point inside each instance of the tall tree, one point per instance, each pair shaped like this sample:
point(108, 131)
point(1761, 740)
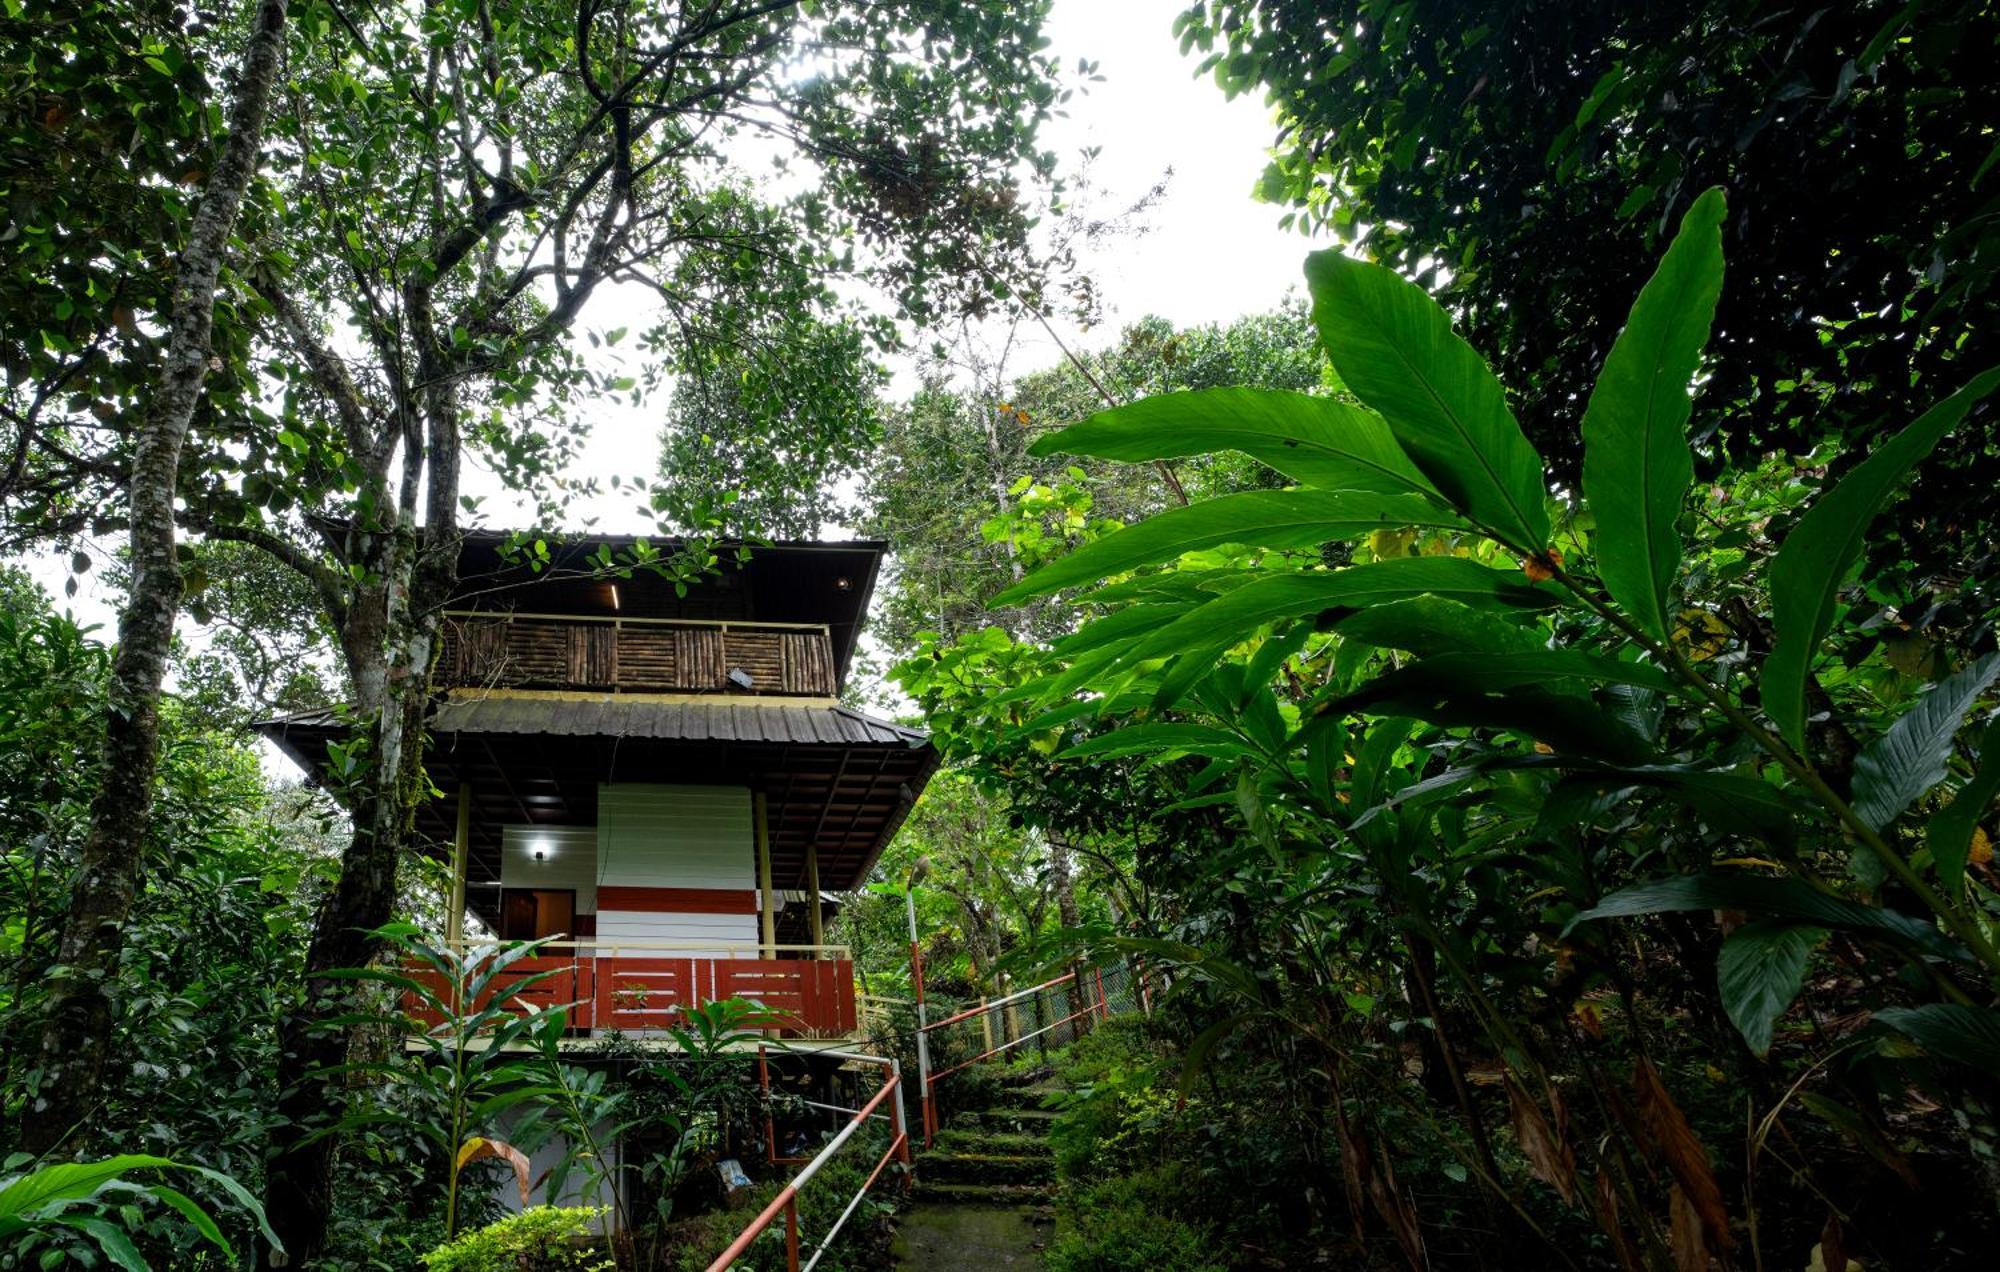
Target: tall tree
point(944, 479)
point(461, 182)
point(81, 1007)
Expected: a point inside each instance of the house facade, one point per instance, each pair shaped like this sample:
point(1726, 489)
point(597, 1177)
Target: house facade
point(661, 780)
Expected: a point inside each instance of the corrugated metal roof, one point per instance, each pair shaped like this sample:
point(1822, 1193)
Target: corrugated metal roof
point(612, 716)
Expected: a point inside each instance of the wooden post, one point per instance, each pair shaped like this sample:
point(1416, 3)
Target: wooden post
point(814, 918)
point(769, 910)
point(461, 847)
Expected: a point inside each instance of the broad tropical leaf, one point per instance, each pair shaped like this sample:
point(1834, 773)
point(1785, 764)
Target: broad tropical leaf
point(1478, 673)
point(1816, 555)
point(1162, 739)
point(1949, 834)
point(1759, 971)
point(1429, 625)
point(1394, 347)
point(1567, 723)
point(1915, 754)
point(1258, 518)
point(1636, 465)
point(1738, 803)
point(1239, 613)
point(1316, 441)
point(1776, 898)
point(1968, 1035)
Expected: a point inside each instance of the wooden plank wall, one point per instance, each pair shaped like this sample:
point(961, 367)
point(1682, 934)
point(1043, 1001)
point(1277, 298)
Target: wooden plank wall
point(639, 658)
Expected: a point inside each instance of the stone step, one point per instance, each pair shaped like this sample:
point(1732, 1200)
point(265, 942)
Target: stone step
point(937, 1190)
point(1028, 1142)
point(985, 1168)
point(1025, 1097)
point(1007, 1119)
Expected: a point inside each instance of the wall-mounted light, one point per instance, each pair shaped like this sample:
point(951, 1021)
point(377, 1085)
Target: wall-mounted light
point(742, 679)
point(540, 849)
point(614, 596)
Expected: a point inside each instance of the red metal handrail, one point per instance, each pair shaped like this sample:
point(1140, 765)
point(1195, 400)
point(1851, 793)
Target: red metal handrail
point(786, 1202)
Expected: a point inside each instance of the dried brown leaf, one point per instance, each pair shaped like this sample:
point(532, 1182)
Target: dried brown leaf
point(1669, 1135)
point(479, 1146)
point(1690, 1247)
point(1551, 1159)
point(1609, 1219)
point(1398, 1211)
point(1833, 1245)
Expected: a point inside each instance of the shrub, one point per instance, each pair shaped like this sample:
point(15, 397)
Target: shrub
point(538, 1239)
point(1127, 1223)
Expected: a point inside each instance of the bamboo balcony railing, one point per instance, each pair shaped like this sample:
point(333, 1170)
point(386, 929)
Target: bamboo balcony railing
point(513, 650)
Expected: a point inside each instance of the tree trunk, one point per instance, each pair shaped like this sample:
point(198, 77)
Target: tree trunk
point(83, 997)
point(390, 637)
point(1062, 880)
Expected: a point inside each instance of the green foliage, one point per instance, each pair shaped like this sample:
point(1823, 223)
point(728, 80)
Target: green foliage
point(1395, 349)
point(538, 1239)
point(215, 935)
point(1129, 1222)
point(1528, 163)
point(1451, 833)
point(1815, 557)
point(466, 1077)
point(48, 1211)
point(1637, 468)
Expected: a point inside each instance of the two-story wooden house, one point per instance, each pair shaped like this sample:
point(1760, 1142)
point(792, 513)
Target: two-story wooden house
point(666, 782)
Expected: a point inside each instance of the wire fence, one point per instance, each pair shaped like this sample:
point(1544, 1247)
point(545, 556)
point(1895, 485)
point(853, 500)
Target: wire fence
point(1015, 1025)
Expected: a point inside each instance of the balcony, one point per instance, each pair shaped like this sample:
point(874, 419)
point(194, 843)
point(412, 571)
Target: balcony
point(641, 988)
point(484, 649)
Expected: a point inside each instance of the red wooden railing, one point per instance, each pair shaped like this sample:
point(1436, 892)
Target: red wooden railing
point(810, 996)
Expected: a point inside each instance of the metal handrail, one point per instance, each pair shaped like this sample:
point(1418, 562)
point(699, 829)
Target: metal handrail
point(787, 1200)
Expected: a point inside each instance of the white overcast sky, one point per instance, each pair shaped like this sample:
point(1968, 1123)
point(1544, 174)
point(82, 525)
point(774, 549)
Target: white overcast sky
point(1209, 252)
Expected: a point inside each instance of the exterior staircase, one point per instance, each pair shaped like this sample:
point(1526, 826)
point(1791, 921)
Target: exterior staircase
point(982, 1189)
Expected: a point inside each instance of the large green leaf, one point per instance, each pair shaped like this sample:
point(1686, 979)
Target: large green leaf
point(1969, 1035)
point(1185, 739)
point(71, 1181)
point(1816, 555)
point(1775, 898)
point(1759, 971)
point(1949, 834)
point(1636, 465)
point(1239, 613)
point(1427, 625)
point(1736, 803)
point(1569, 724)
point(1394, 347)
point(1492, 672)
point(1316, 441)
point(1915, 754)
point(1258, 518)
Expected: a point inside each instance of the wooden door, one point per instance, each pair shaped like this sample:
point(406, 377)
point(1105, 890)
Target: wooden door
point(528, 914)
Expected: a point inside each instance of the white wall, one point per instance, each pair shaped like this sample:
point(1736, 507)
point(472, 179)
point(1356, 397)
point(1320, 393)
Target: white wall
point(571, 861)
point(655, 836)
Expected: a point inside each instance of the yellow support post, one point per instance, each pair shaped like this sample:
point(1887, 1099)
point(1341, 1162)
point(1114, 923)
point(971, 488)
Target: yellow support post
point(769, 910)
point(461, 848)
point(814, 920)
